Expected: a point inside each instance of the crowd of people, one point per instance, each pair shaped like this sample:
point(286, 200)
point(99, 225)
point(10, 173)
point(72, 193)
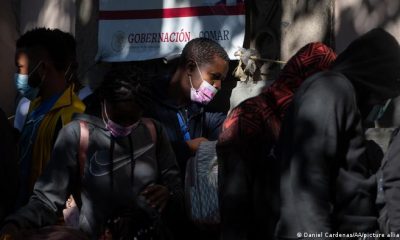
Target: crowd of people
point(293, 161)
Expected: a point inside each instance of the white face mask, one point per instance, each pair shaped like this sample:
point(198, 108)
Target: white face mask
point(205, 93)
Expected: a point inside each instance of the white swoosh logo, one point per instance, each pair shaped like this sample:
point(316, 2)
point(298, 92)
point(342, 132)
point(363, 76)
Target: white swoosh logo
point(99, 169)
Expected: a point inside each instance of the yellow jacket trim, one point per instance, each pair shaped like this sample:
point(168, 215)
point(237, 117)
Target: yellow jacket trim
point(64, 108)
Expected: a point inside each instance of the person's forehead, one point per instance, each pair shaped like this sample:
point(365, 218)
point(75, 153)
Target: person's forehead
point(24, 55)
point(123, 106)
point(218, 66)
point(21, 58)
point(32, 53)
point(21, 52)
point(217, 63)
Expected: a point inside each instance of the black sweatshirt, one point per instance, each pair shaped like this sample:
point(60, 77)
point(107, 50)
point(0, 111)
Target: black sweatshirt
point(326, 185)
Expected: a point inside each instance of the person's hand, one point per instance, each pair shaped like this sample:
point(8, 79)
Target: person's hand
point(156, 196)
point(195, 143)
point(9, 232)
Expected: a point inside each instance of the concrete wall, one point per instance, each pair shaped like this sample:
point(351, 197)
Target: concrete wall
point(355, 17)
point(86, 37)
point(305, 21)
point(47, 13)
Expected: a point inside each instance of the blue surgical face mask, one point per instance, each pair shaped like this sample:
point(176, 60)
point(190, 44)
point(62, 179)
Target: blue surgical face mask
point(21, 81)
point(22, 84)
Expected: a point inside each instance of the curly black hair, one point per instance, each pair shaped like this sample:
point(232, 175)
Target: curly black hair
point(202, 50)
point(123, 83)
point(60, 46)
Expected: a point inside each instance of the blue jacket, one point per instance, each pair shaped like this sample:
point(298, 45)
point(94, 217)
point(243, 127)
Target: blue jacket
point(198, 121)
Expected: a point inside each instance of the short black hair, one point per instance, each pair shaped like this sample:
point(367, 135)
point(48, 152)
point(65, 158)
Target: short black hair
point(60, 46)
point(202, 50)
point(70, 44)
point(124, 83)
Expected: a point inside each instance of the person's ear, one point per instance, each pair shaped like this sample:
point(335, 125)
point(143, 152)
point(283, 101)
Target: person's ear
point(190, 67)
point(42, 70)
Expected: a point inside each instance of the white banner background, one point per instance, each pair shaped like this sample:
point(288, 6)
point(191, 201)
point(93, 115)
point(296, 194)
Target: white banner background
point(126, 35)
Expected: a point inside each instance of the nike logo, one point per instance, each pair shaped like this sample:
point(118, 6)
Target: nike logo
point(99, 164)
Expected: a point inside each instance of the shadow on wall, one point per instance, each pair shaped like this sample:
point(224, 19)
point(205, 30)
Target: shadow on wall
point(353, 18)
point(86, 31)
point(47, 13)
point(263, 31)
point(304, 22)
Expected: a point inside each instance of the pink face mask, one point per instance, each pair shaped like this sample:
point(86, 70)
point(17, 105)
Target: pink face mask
point(116, 129)
point(205, 93)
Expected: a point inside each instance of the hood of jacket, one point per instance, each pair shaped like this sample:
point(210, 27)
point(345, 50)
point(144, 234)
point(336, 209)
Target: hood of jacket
point(310, 59)
point(372, 64)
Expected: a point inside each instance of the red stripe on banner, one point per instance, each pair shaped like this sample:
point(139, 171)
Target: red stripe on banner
point(173, 12)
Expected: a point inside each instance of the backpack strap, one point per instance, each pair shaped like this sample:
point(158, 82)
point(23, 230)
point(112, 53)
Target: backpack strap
point(153, 132)
point(83, 146)
point(152, 128)
point(71, 211)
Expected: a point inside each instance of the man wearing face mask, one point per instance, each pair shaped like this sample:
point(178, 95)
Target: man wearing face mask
point(178, 101)
point(70, 76)
point(43, 59)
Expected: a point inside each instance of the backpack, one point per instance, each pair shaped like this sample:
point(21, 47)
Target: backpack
point(201, 185)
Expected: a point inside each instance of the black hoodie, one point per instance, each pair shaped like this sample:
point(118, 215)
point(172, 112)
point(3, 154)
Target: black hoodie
point(372, 64)
point(326, 185)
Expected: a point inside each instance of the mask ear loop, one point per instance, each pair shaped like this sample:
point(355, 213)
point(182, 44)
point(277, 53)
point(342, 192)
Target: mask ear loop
point(191, 84)
point(201, 76)
point(198, 69)
point(42, 78)
point(68, 68)
point(35, 68)
point(66, 73)
point(105, 113)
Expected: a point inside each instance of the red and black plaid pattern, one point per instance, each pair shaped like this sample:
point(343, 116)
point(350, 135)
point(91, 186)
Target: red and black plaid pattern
point(259, 118)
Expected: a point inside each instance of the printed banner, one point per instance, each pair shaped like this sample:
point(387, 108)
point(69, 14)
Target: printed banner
point(142, 30)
